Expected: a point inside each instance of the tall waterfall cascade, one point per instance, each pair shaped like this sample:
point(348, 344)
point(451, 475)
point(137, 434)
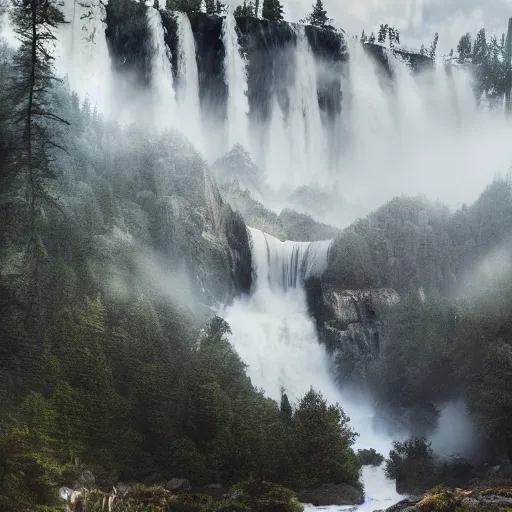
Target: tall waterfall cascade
point(235, 76)
point(275, 336)
point(188, 92)
point(285, 265)
point(164, 98)
point(383, 133)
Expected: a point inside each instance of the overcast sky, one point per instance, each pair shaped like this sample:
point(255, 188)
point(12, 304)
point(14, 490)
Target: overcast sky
point(417, 20)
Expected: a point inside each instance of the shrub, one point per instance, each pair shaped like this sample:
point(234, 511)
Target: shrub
point(370, 457)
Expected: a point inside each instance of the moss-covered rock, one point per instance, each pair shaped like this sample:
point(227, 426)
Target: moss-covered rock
point(246, 497)
point(266, 497)
point(442, 499)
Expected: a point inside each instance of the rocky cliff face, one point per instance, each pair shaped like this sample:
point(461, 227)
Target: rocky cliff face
point(267, 45)
point(349, 323)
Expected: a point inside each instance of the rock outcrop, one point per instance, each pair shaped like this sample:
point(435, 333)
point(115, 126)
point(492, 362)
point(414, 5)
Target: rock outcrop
point(447, 500)
point(267, 46)
point(349, 323)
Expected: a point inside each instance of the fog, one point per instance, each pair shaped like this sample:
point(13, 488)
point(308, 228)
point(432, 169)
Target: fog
point(456, 434)
point(399, 133)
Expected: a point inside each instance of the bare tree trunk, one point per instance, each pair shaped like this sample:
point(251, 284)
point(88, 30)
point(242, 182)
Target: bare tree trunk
point(257, 8)
point(508, 56)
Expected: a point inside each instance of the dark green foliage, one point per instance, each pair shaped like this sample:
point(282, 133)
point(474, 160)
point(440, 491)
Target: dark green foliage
point(266, 497)
point(318, 17)
point(322, 441)
point(370, 457)
point(464, 48)
point(433, 46)
point(272, 10)
point(383, 33)
point(244, 11)
point(411, 464)
point(28, 472)
point(491, 68)
point(186, 5)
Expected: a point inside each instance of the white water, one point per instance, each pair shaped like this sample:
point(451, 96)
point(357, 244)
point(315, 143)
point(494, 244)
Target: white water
point(275, 336)
point(82, 54)
point(421, 134)
point(188, 93)
point(301, 138)
point(163, 97)
point(235, 76)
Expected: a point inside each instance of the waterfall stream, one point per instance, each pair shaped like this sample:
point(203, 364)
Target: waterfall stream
point(161, 73)
point(235, 76)
point(188, 92)
point(275, 336)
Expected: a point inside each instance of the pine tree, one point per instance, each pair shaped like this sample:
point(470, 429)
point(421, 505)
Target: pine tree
point(433, 46)
point(35, 22)
point(480, 48)
point(383, 33)
point(244, 11)
point(318, 18)
point(464, 48)
point(371, 40)
point(272, 10)
point(210, 6)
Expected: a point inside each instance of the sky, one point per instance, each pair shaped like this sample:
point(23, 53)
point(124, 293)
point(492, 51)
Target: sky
point(417, 20)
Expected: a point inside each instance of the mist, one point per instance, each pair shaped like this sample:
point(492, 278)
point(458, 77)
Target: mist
point(333, 133)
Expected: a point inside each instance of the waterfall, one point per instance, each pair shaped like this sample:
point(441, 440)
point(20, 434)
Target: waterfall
point(285, 265)
point(297, 142)
point(235, 76)
point(188, 76)
point(275, 336)
point(81, 52)
point(306, 133)
point(164, 101)
point(417, 133)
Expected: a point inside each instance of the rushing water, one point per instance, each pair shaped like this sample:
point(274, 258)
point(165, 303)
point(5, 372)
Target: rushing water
point(235, 76)
point(275, 336)
point(161, 73)
point(188, 93)
point(416, 134)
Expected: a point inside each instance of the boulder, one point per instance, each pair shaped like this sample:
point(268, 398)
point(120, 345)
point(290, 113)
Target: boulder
point(85, 481)
point(178, 484)
point(331, 494)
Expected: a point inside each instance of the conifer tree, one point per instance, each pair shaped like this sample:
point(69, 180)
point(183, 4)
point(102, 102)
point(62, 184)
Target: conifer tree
point(433, 46)
point(383, 33)
point(318, 17)
point(464, 48)
point(371, 40)
point(35, 22)
point(210, 6)
point(272, 10)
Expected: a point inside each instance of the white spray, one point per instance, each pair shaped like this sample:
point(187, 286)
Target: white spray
point(82, 53)
point(188, 92)
point(164, 101)
point(275, 336)
point(235, 76)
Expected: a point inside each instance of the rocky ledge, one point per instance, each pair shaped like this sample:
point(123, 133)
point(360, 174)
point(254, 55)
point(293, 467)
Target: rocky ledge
point(245, 497)
point(458, 500)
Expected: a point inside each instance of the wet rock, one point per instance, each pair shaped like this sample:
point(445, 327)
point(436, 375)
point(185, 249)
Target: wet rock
point(178, 484)
point(85, 481)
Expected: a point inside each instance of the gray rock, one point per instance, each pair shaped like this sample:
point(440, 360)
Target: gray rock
point(178, 484)
point(85, 481)
point(121, 489)
point(405, 504)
